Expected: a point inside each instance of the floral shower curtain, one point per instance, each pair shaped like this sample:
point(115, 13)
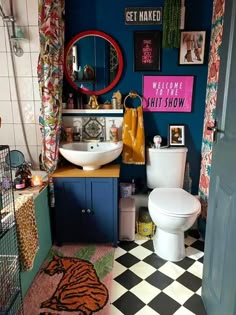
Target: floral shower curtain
point(50, 78)
point(211, 96)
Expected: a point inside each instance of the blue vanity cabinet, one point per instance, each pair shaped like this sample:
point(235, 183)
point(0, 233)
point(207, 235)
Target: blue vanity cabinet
point(86, 209)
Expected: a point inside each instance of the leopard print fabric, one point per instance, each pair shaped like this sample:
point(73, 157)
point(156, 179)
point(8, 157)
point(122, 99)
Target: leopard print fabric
point(26, 230)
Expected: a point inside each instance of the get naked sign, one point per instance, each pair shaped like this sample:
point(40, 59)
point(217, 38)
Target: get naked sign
point(167, 93)
point(145, 15)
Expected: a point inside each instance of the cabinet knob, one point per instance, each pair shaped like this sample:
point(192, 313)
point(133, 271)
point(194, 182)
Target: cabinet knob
point(88, 211)
point(83, 211)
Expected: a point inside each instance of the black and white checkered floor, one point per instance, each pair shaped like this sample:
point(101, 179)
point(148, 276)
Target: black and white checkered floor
point(144, 284)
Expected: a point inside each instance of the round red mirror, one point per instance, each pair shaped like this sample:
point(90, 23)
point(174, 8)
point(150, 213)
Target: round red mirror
point(93, 62)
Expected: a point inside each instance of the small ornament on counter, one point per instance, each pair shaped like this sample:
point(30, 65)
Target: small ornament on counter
point(157, 141)
point(107, 105)
point(113, 132)
point(93, 103)
point(70, 101)
point(69, 134)
point(23, 175)
point(76, 134)
point(19, 183)
point(80, 101)
point(114, 102)
point(118, 97)
point(36, 180)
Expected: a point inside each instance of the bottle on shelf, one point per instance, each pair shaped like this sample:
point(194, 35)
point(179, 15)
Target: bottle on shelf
point(70, 101)
point(113, 132)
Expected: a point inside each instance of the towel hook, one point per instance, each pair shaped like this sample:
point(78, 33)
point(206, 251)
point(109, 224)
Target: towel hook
point(133, 94)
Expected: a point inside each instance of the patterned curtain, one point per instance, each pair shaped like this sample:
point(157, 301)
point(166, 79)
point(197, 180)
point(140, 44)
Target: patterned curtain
point(50, 78)
point(211, 97)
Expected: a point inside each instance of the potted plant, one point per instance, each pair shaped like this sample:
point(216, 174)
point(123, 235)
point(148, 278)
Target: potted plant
point(171, 24)
point(107, 105)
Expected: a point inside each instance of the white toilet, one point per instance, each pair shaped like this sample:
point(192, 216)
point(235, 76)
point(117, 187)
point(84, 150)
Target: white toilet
point(171, 208)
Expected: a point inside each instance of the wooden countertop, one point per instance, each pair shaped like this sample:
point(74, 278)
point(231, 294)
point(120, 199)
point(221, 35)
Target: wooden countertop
point(110, 170)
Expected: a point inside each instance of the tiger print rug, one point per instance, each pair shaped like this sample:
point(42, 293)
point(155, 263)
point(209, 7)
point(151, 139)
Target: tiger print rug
point(73, 280)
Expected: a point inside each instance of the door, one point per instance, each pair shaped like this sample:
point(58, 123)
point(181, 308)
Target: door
point(70, 197)
point(100, 201)
point(219, 272)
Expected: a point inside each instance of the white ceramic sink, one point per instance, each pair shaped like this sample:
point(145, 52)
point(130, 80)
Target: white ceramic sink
point(91, 155)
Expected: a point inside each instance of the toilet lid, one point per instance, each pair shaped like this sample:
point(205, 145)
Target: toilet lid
point(173, 201)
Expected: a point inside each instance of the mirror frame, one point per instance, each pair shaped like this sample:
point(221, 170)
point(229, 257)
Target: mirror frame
point(119, 54)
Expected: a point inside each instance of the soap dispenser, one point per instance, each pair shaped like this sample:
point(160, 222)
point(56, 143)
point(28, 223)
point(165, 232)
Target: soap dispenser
point(113, 132)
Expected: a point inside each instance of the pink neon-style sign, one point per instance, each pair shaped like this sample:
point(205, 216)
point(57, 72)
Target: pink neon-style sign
point(167, 93)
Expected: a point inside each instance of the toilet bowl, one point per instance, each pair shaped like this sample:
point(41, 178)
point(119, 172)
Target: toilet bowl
point(174, 211)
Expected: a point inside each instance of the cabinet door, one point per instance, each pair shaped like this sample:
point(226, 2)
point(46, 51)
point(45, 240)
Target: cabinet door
point(102, 203)
point(70, 203)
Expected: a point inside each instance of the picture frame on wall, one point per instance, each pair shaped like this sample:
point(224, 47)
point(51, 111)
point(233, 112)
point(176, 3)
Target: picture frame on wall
point(147, 50)
point(192, 48)
point(176, 135)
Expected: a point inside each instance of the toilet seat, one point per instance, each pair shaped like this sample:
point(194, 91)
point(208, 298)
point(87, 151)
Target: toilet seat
point(174, 202)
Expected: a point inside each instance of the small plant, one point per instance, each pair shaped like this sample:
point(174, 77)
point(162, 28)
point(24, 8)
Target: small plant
point(171, 24)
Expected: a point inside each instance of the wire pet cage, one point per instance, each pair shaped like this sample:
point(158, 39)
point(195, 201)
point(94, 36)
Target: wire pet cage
point(10, 286)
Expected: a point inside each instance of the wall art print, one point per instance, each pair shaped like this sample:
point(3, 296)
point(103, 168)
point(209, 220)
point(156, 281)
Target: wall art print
point(176, 135)
point(147, 51)
point(167, 93)
point(192, 48)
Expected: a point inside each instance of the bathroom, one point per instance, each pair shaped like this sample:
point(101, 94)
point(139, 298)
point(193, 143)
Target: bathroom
point(113, 23)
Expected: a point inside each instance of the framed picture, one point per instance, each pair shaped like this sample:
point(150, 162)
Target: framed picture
point(192, 48)
point(147, 50)
point(176, 135)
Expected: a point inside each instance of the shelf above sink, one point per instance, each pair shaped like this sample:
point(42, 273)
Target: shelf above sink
point(92, 111)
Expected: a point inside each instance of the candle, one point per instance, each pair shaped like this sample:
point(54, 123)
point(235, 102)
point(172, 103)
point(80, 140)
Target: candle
point(36, 180)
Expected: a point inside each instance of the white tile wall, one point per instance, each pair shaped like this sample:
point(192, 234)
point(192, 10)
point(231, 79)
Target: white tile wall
point(26, 13)
point(2, 37)
point(27, 111)
point(3, 65)
point(22, 65)
point(34, 38)
point(30, 132)
point(6, 112)
point(20, 12)
point(7, 134)
point(11, 133)
point(5, 88)
point(25, 88)
point(32, 6)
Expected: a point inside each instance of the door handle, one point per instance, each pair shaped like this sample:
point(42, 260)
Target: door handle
point(215, 130)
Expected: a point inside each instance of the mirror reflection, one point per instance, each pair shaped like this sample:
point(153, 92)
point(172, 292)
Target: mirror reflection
point(92, 63)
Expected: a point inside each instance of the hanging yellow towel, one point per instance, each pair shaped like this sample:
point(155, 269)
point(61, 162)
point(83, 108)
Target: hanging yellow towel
point(133, 136)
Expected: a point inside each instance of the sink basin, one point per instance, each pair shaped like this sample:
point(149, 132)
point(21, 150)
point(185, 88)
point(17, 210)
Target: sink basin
point(91, 155)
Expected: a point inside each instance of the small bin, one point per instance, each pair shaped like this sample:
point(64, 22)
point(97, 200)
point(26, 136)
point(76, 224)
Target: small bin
point(127, 219)
point(125, 190)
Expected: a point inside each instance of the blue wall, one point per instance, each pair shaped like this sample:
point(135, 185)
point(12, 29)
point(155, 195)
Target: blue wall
point(108, 16)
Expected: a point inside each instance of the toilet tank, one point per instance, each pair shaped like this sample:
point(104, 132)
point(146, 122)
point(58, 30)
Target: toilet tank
point(165, 167)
